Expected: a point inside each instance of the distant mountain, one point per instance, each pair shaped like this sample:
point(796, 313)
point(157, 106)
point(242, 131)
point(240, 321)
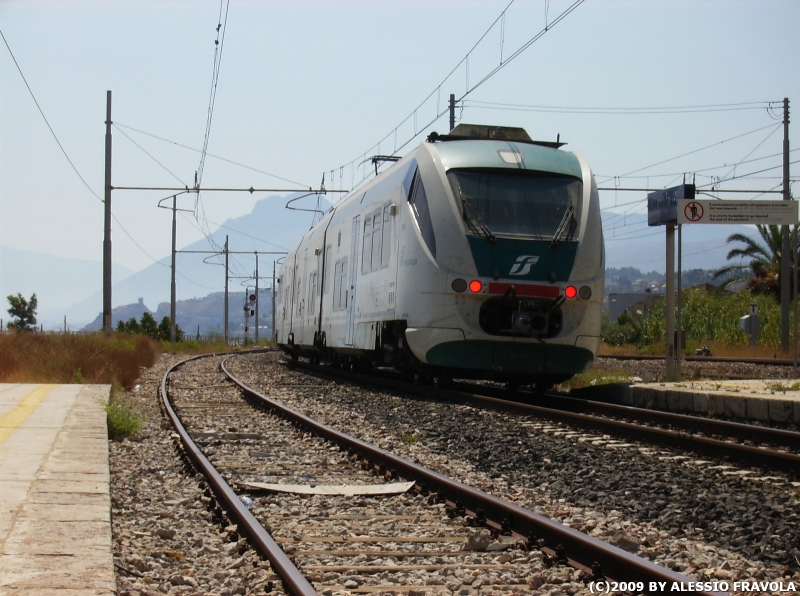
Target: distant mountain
point(52, 279)
point(201, 316)
point(269, 227)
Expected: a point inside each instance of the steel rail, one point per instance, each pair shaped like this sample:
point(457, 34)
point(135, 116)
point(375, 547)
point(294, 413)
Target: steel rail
point(586, 550)
point(783, 437)
point(756, 455)
point(294, 581)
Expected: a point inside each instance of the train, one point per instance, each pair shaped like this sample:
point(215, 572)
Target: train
point(477, 255)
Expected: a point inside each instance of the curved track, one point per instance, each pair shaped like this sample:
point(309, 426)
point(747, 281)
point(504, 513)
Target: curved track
point(522, 528)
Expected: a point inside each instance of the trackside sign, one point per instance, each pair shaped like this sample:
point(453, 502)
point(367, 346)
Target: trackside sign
point(662, 205)
point(709, 211)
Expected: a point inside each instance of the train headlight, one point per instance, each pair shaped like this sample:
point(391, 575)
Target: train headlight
point(585, 292)
point(458, 285)
point(570, 291)
point(475, 286)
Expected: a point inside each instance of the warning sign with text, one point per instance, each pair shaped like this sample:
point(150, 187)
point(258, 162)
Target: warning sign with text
point(708, 211)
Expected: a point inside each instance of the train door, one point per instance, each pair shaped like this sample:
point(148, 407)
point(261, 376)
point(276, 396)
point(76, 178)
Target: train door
point(302, 282)
point(351, 295)
point(288, 303)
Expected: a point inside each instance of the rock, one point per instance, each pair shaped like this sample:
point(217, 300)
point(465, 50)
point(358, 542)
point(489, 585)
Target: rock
point(165, 533)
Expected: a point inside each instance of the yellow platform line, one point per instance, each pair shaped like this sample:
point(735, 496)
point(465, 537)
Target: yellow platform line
point(9, 422)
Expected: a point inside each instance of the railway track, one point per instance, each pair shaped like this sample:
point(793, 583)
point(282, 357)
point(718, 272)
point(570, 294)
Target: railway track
point(758, 445)
point(438, 535)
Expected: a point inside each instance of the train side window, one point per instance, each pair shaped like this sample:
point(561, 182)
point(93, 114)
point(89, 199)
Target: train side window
point(386, 242)
point(328, 267)
point(339, 284)
point(312, 291)
point(336, 284)
point(377, 230)
point(343, 285)
point(366, 247)
point(419, 204)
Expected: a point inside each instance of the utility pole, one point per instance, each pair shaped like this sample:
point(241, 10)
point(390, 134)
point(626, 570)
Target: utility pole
point(226, 290)
point(452, 111)
point(785, 250)
point(257, 300)
point(107, 226)
point(172, 282)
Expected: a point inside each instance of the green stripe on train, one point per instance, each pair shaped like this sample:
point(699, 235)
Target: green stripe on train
point(511, 357)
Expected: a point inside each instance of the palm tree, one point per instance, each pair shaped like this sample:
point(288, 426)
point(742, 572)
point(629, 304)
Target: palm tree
point(762, 272)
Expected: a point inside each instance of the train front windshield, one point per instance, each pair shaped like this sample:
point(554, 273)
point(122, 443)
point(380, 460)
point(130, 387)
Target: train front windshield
point(530, 204)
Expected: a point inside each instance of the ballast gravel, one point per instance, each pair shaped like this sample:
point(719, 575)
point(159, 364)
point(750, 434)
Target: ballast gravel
point(709, 521)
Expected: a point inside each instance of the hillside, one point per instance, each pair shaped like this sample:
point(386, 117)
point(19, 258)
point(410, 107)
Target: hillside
point(200, 316)
point(268, 228)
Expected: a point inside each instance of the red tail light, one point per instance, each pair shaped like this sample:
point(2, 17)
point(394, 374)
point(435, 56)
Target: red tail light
point(570, 291)
point(475, 286)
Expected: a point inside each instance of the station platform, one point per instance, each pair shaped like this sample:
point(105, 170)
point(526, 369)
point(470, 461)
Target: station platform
point(764, 400)
point(55, 523)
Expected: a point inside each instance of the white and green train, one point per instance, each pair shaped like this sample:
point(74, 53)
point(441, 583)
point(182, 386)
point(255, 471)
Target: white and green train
point(478, 255)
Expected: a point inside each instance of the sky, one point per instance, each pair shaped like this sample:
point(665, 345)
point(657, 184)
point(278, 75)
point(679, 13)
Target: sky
point(311, 88)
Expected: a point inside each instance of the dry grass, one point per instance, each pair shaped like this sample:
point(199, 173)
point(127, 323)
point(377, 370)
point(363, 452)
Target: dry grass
point(75, 358)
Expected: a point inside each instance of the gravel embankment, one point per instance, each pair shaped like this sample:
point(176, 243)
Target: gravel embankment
point(164, 540)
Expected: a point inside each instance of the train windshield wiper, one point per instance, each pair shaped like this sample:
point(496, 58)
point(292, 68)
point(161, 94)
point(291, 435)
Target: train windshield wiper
point(562, 228)
point(474, 222)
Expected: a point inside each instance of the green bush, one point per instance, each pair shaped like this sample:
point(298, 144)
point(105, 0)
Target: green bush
point(123, 419)
point(714, 317)
point(624, 331)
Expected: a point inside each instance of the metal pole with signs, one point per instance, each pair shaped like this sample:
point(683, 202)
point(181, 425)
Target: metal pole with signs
point(662, 209)
point(706, 211)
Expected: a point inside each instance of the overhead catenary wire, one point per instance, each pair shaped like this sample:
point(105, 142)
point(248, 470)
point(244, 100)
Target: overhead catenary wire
point(74, 168)
point(624, 111)
point(739, 136)
point(230, 161)
point(46, 121)
point(170, 172)
point(417, 130)
point(218, 48)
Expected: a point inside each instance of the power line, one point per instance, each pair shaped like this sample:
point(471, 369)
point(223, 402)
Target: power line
point(151, 157)
point(619, 111)
point(437, 90)
point(693, 171)
point(60, 146)
point(218, 47)
point(118, 125)
point(75, 169)
point(695, 151)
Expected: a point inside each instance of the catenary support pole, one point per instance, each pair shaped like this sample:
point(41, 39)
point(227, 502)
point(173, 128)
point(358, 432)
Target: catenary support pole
point(226, 290)
point(274, 334)
point(785, 250)
point(452, 111)
point(172, 297)
point(257, 301)
point(107, 226)
point(670, 303)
